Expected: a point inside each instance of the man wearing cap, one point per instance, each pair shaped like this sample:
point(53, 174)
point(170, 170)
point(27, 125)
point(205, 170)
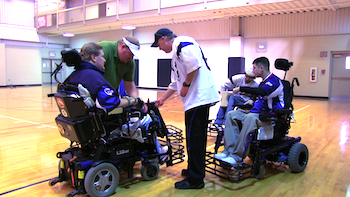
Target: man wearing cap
point(192, 79)
point(89, 73)
point(120, 64)
point(247, 80)
point(271, 97)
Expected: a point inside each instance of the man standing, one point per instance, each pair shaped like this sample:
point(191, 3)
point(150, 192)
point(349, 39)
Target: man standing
point(271, 97)
point(120, 63)
point(192, 79)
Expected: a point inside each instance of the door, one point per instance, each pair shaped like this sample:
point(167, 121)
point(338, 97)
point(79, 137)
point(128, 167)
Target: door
point(340, 79)
point(48, 66)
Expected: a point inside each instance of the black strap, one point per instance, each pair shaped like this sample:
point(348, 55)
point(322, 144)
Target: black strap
point(183, 44)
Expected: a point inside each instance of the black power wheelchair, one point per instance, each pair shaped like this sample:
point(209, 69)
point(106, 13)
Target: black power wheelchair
point(97, 154)
point(269, 143)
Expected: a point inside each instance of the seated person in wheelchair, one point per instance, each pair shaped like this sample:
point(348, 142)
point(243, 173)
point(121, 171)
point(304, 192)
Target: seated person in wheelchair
point(271, 97)
point(246, 79)
point(90, 75)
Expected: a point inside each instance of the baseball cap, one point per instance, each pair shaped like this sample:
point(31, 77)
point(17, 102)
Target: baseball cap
point(134, 47)
point(249, 72)
point(160, 33)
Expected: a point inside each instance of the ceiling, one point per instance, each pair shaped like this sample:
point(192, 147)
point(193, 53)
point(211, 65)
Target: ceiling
point(211, 10)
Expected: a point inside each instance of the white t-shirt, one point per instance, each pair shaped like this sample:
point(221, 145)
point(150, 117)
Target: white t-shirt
point(202, 90)
point(236, 81)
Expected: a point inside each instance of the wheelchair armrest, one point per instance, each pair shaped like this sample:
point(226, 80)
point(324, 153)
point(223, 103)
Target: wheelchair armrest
point(283, 111)
point(246, 107)
point(117, 110)
point(274, 116)
point(265, 117)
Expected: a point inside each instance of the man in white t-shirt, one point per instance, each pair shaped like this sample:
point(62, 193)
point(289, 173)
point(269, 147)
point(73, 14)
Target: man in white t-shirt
point(246, 80)
point(192, 79)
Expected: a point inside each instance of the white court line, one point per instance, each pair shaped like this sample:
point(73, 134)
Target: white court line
point(301, 109)
point(21, 120)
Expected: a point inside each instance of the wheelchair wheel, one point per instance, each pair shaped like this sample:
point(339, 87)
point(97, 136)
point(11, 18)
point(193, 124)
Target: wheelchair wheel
point(101, 180)
point(262, 172)
point(298, 157)
point(149, 171)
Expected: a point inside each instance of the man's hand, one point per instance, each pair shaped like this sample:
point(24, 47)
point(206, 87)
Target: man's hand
point(249, 102)
point(235, 90)
point(159, 103)
point(144, 108)
point(184, 91)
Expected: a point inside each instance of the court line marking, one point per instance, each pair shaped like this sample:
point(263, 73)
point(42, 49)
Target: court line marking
point(25, 187)
point(27, 121)
point(301, 109)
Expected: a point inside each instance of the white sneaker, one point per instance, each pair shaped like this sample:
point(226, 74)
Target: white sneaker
point(163, 158)
point(171, 132)
point(229, 160)
point(137, 135)
point(164, 149)
point(220, 156)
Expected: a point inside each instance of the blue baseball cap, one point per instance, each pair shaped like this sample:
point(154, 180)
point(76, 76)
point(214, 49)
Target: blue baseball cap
point(160, 33)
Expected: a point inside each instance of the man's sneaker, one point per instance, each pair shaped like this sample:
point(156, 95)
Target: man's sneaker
point(229, 160)
point(164, 149)
point(163, 158)
point(137, 135)
point(220, 156)
point(171, 132)
point(185, 184)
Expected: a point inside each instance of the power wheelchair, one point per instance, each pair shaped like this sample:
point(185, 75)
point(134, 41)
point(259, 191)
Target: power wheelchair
point(97, 153)
point(269, 143)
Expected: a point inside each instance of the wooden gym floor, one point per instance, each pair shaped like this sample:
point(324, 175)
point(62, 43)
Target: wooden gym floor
point(29, 141)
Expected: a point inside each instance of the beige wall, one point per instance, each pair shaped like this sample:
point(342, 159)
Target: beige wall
point(23, 66)
point(2, 65)
point(305, 53)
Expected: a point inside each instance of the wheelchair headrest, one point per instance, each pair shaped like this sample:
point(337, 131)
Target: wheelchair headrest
point(283, 64)
point(71, 57)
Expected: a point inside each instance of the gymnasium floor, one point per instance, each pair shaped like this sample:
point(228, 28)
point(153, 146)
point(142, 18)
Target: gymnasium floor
point(29, 141)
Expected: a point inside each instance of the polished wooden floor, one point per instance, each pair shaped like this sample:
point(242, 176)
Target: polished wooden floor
point(29, 141)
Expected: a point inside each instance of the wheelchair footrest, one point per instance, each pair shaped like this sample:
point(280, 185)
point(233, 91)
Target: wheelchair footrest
point(233, 173)
point(175, 140)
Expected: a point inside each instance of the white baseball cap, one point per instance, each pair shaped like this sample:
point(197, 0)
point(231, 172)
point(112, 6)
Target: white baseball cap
point(134, 48)
point(249, 72)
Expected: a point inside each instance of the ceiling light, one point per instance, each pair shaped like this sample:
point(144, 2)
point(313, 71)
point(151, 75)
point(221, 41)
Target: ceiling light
point(128, 27)
point(68, 35)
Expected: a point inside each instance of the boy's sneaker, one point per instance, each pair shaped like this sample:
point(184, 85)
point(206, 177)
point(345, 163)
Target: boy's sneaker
point(220, 156)
point(163, 158)
point(229, 160)
point(164, 149)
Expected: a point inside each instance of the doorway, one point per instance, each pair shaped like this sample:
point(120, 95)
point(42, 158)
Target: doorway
point(48, 66)
point(340, 77)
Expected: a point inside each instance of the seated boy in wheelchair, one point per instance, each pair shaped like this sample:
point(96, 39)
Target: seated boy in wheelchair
point(271, 97)
point(100, 93)
point(229, 101)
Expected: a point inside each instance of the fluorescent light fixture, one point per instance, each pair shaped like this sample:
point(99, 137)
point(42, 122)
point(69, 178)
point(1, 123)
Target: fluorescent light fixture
point(68, 35)
point(128, 27)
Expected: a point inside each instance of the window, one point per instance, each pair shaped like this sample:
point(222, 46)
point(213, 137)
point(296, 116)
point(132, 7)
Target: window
point(347, 62)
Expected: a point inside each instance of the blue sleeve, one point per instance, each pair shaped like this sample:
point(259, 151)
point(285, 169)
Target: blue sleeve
point(107, 98)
